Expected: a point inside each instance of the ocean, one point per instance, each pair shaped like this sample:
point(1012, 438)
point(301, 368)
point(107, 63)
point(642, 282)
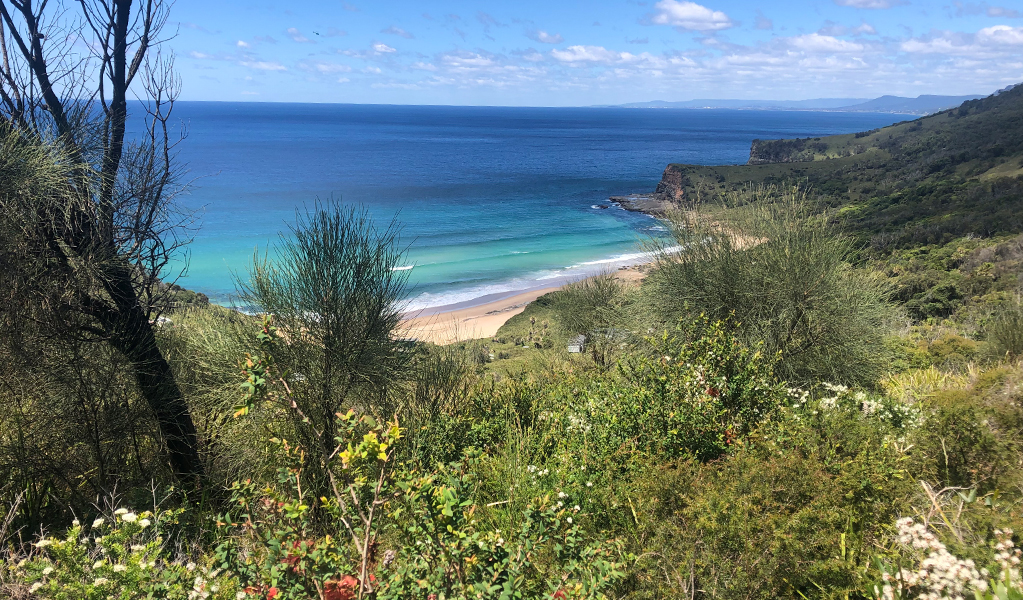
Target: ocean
point(491, 200)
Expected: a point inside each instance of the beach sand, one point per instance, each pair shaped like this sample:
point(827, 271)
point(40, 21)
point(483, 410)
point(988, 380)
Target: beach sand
point(483, 320)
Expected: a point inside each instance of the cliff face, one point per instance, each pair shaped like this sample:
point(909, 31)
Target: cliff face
point(672, 184)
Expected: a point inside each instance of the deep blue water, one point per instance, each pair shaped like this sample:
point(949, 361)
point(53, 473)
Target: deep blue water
point(491, 199)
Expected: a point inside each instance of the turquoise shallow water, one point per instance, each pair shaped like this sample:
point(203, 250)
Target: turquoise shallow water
point(491, 199)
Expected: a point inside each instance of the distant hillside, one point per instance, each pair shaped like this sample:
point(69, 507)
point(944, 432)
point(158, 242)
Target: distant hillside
point(956, 172)
point(921, 105)
point(918, 105)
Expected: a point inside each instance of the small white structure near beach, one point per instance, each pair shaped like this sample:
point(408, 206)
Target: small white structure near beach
point(577, 344)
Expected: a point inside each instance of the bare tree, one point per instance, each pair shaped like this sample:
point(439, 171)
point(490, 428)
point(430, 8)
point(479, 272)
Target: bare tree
point(107, 237)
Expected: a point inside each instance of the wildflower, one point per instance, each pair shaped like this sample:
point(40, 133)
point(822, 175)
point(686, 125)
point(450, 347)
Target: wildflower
point(562, 494)
point(240, 596)
point(190, 566)
point(589, 484)
point(137, 547)
point(44, 543)
point(98, 522)
point(120, 568)
point(35, 587)
point(121, 511)
point(75, 523)
point(143, 523)
point(100, 582)
point(129, 517)
point(576, 508)
point(97, 564)
point(47, 570)
point(569, 520)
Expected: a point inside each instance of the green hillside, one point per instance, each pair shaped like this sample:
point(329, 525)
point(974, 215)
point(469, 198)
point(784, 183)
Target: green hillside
point(930, 180)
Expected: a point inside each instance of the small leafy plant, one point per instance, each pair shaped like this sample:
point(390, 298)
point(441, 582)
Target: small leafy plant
point(123, 557)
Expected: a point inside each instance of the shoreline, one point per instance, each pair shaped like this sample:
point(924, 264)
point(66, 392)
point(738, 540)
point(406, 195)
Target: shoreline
point(473, 319)
point(481, 317)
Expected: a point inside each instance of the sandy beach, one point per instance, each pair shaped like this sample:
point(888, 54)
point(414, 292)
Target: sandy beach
point(473, 322)
point(483, 320)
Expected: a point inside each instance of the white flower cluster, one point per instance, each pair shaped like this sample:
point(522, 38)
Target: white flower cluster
point(200, 588)
point(940, 574)
point(578, 423)
point(799, 397)
point(1008, 556)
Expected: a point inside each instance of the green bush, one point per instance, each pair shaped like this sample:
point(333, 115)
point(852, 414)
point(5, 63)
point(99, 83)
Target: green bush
point(1006, 331)
point(335, 297)
point(781, 274)
point(125, 556)
point(793, 512)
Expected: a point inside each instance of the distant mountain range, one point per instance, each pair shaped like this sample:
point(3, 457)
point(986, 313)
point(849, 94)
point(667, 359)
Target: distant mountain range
point(921, 105)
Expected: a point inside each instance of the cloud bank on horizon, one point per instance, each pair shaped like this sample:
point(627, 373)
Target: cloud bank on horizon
point(605, 52)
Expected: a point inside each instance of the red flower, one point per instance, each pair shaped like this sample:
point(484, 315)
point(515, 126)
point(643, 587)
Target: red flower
point(560, 595)
point(271, 594)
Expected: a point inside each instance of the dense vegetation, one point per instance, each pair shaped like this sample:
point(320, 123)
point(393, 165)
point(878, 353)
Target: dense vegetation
point(927, 181)
point(819, 397)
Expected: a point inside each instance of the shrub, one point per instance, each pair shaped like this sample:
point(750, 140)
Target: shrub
point(287, 539)
point(793, 512)
point(1006, 331)
point(125, 556)
point(336, 304)
point(446, 552)
point(781, 273)
point(694, 393)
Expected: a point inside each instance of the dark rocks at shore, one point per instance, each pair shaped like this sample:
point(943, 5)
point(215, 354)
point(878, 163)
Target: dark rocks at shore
point(652, 204)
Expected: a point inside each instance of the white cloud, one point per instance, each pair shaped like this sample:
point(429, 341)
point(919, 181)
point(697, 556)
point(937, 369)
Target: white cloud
point(582, 54)
point(989, 42)
point(343, 80)
point(835, 29)
point(939, 45)
point(1001, 35)
point(824, 44)
point(872, 4)
point(200, 55)
point(383, 48)
point(242, 44)
point(398, 31)
point(332, 68)
point(297, 36)
point(263, 65)
point(690, 15)
point(545, 38)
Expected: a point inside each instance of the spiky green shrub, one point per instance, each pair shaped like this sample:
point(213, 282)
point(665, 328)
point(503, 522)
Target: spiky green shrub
point(779, 272)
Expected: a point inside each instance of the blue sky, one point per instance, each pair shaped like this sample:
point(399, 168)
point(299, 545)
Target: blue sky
point(558, 53)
